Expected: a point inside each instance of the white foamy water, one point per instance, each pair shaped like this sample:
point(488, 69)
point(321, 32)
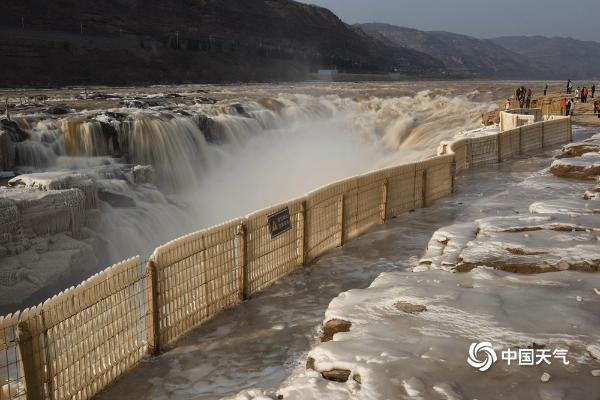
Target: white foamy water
point(219, 161)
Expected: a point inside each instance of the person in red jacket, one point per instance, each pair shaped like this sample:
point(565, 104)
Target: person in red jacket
point(587, 93)
point(563, 105)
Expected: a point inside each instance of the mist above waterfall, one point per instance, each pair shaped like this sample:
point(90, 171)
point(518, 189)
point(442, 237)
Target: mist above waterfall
point(214, 162)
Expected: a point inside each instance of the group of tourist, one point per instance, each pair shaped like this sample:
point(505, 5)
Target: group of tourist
point(567, 106)
point(524, 96)
point(583, 93)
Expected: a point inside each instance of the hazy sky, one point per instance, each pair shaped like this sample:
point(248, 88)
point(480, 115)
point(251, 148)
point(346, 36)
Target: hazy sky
point(480, 18)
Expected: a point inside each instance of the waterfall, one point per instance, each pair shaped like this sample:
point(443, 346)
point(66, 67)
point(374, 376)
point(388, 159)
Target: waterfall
point(214, 162)
point(88, 138)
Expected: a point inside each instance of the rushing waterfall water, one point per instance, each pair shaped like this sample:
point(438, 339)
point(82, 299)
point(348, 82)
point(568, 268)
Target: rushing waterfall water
point(213, 162)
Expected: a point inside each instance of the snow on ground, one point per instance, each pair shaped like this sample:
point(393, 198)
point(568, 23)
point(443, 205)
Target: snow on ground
point(393, 354)
point(409, 334)
point(469, 134)
point(579, 160)
point(587, 166)
point(479, 132)
point(566, 206)
point(579, 148)
point(523, 244)
point(266, 341)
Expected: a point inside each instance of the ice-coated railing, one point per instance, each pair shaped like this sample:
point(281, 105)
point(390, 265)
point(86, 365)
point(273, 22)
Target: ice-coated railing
point(77, 343)
point(511, 119)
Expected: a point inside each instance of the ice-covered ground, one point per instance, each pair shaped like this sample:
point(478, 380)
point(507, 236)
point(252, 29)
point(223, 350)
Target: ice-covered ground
point(411, 333)
point(260, 343)
point(408, 335)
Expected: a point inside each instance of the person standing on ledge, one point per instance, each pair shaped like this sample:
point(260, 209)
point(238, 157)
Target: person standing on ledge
point(563, 106)
point(528, 99)
point(593, 90)
point(569, 86)
point(522, 96)
point(571, 107)
point(546, 89)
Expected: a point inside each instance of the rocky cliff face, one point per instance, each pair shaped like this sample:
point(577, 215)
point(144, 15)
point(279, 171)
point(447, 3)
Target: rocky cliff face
point(460, 55)
point(563, 57)
point(169, 41)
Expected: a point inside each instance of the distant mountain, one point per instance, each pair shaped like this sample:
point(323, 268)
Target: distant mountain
point(460, 54)
point(61, 42)
point(562, 57)
point(66, 42)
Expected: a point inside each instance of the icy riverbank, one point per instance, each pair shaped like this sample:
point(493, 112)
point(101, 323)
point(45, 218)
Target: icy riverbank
point(408, 335)
point(261, 342)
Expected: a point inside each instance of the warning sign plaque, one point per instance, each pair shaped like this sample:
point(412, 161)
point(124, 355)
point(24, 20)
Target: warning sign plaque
point(279, 223)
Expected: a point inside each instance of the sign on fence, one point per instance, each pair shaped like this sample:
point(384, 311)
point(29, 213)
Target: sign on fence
point(279, 223)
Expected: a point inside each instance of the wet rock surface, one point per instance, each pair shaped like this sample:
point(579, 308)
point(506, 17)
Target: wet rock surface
point(523, 244)
point(579, 160)
point(591, 145)
point(116, 199)
point(410, 308)
point(337, 375)
point(334, 326)
point(586, 166)
point(490, 118)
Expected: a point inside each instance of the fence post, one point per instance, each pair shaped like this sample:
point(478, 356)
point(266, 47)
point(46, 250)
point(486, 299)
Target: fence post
point(241, 261)
point(301, 242)
point(453, 174)
point(542, 134)
point(31, 370)
point(153, 331)
point(205, 279)
point(384, 201)
point(499, 147)
point(340, 220)
point(520, 140)
point(424, 189)
point(469, 154)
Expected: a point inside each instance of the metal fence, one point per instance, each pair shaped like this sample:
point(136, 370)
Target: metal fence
point(80, 341)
